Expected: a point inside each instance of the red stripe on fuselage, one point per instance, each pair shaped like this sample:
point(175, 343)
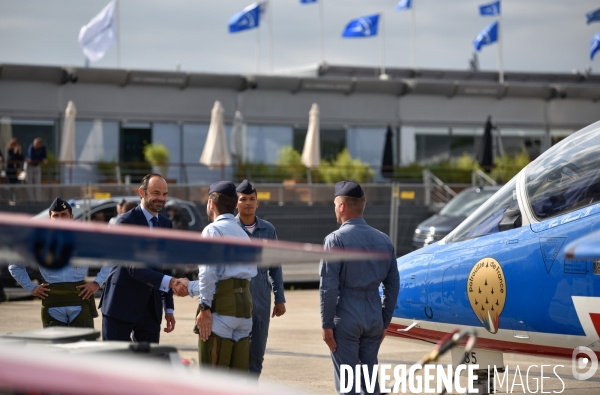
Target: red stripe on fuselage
point(486, 344)
point(596, 321)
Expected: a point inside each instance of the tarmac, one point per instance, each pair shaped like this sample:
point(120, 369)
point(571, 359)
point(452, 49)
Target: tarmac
point(297, 356)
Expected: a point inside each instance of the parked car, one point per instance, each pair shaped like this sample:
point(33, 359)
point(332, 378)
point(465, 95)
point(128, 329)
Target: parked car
point(105, 209)
point(454, 212)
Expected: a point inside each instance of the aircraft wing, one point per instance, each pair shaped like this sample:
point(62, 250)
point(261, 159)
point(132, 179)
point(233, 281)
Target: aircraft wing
point(586, 247)
point(54, 244)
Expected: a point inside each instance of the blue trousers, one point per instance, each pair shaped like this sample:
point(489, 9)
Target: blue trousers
point(261, 318)
point(357, 332)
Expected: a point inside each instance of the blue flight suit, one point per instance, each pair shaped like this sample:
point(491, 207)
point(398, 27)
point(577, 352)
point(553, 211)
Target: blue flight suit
point(350, 300)
point(260, 288)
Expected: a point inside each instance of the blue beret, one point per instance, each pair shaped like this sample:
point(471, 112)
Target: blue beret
point(246, 188)
point(60, 205)
point(224, 187)
point(348, 188)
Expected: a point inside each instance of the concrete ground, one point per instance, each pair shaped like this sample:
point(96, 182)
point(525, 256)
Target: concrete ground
point(297, 356)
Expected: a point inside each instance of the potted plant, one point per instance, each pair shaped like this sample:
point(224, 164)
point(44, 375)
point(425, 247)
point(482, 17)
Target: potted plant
point(157, 155)
point(107, 170)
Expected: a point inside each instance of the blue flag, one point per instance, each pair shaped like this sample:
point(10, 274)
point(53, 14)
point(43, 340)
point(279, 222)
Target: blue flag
point(487, 36)
point(593, 16)
point(491, 9)
point(404, 5)
point(307, 1)
point(248, 18)
point(365, 26)
point(595, 47)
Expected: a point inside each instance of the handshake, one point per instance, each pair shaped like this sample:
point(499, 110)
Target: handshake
point(179, 286)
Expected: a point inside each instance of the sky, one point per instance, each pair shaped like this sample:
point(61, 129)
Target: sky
point(537, 36)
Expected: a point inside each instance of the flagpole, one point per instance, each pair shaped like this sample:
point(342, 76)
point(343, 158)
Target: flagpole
point(500, 69)
point(413, 36)
point(382, 74)
point(118, 35)
point(270, 11)
point(321, 30)
point(257, 50)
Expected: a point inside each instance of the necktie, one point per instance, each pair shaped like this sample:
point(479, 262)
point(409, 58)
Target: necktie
point(154, 221)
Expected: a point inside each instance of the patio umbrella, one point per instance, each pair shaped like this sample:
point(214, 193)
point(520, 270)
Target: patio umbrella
point(311, 154)
point(5, 134)
point(387, 162)
point(485, 156)
point(215, 152)
point(238, 135)
point(67, 144)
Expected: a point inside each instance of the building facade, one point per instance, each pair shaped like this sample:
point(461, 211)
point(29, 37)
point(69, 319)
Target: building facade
point(435, 114)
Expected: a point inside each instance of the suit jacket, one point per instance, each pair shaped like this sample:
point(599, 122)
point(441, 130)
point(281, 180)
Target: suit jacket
point(128, 289)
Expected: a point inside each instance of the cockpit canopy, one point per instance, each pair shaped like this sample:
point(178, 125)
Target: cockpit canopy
point(564, 178)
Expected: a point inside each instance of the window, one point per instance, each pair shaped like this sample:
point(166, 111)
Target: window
point(500, 212)
point(27, 130)
point(567, 178)
point(468, 201)
point(333, 141)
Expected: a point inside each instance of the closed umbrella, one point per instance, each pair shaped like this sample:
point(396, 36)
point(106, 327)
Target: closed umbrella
point(67, 144)
point(485, 156)
point(5, 133)
point(238, 137)
point(215, 152)
point(311, 154)
point(387, 162)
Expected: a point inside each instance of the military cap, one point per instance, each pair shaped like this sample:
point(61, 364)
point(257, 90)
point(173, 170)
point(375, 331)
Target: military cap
point(60, 205)
point(224, 187)
point(348, 188)
point(245, 187)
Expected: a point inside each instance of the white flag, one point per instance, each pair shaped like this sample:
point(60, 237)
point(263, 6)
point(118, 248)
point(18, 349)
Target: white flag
point(99, 34)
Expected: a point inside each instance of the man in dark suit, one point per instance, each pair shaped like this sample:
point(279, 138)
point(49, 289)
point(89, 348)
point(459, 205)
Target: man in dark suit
point(133, 298)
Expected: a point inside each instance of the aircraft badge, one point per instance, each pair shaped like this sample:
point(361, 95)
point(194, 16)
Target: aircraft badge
point(486, 288)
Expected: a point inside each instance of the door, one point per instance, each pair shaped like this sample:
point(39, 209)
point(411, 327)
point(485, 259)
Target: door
point(133, 140)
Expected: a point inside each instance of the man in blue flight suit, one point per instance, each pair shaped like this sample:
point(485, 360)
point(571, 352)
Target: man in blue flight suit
point(260, 286)
point(354, 317)
point(67, 300)
point(133, 298)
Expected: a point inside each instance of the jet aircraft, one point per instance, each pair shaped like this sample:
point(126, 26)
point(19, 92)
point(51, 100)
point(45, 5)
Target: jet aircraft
point(504, 271)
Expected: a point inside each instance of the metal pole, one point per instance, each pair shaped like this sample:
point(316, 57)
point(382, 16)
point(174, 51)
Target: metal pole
point(270, 11)
point(257, 50)
point(322, 30)
point(118, 34)
point(394, 202)
point(500, 69)
point(399, 145)
point(181, 176)
point(281, 195)
point(382, 43)
point(413, 36)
